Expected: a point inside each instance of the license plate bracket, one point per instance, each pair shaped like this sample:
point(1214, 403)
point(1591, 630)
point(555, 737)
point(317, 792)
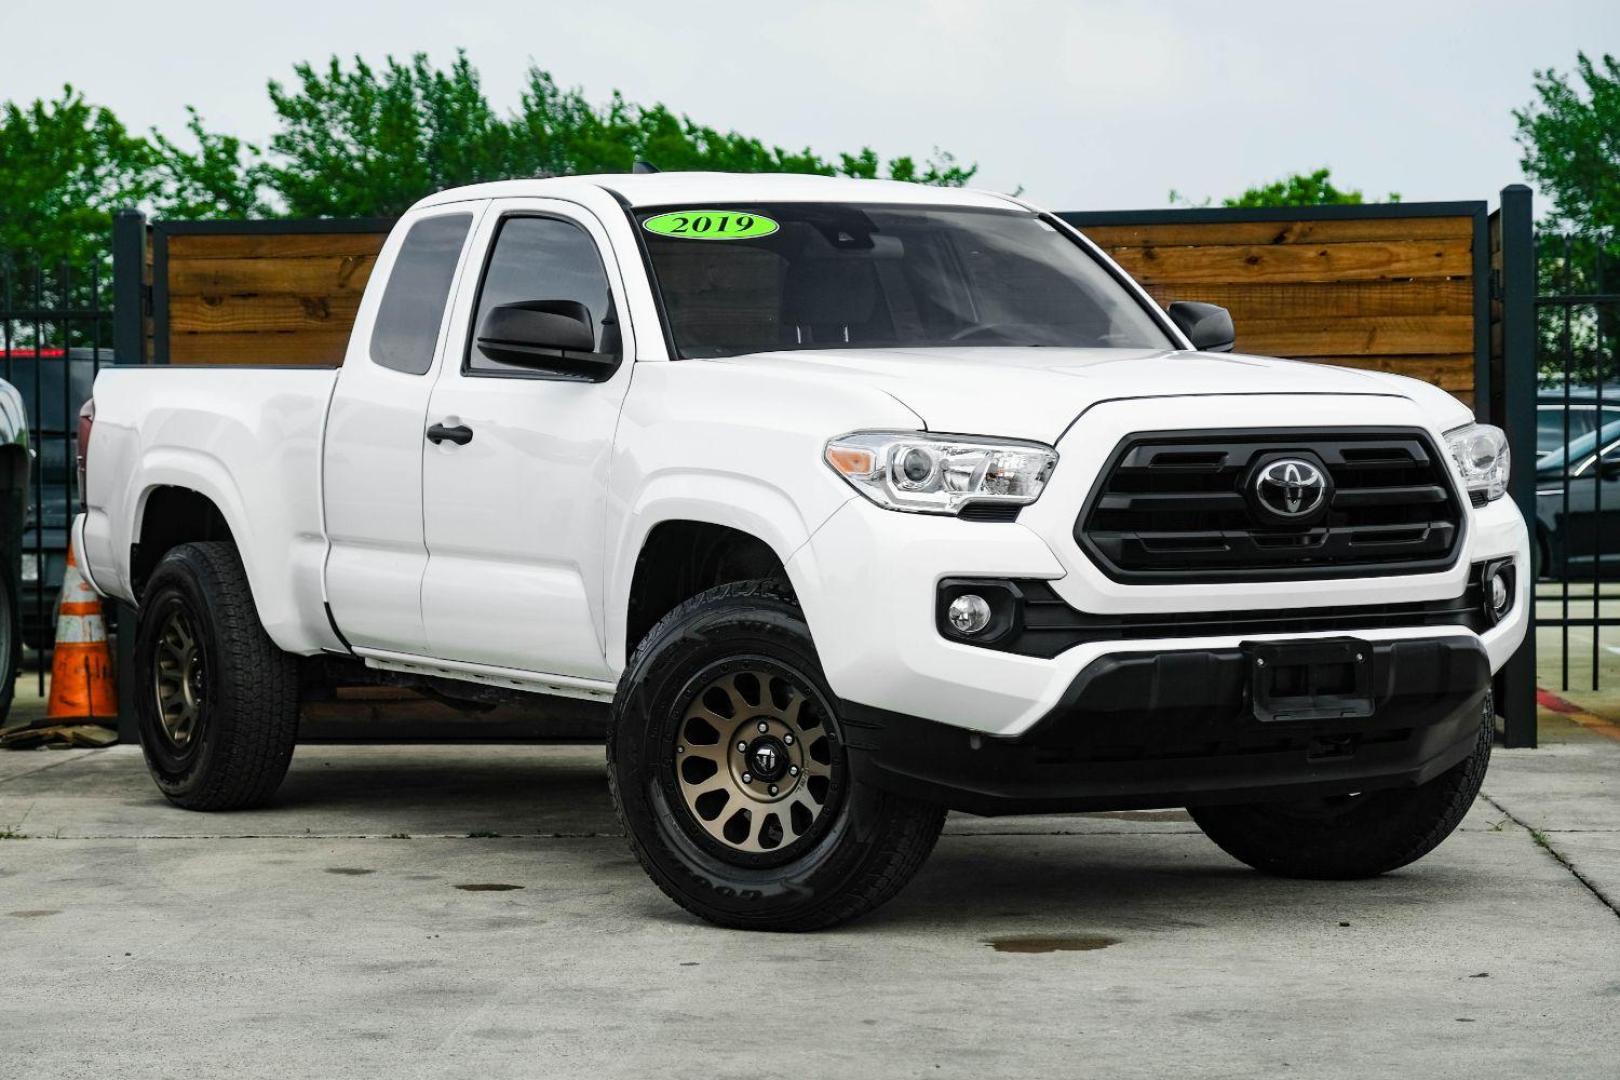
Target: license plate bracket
point(1319, 679)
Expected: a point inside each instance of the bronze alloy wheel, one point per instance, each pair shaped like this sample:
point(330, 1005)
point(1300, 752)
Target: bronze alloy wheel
point(753, 758)
point(730, 773)
point(178, 679)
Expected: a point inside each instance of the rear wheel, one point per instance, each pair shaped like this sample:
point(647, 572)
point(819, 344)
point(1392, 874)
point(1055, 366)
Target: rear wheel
point(216, 702)
point(1351, 836)
point(730, 775)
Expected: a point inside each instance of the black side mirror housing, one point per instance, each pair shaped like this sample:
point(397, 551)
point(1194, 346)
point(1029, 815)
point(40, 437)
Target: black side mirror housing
point(546, 335)
point(1207, 326)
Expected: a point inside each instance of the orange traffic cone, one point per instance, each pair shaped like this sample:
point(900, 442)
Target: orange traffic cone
point(82, 669)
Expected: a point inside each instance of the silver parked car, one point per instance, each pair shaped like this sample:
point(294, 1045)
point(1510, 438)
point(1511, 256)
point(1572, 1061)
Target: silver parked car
point(14, 463)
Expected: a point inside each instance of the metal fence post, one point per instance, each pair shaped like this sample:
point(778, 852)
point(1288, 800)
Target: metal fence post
point(129, 347)
point(1516, 684)
point(129, 287)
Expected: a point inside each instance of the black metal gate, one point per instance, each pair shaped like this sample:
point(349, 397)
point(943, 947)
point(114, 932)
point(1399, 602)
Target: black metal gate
point(1577, 520)
point(55, 333)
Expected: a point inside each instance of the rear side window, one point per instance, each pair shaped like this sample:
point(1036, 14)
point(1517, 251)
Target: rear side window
point(412, 309)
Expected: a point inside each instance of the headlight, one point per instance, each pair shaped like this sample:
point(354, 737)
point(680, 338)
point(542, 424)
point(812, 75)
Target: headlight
point(936, 474)
point(1481, 453)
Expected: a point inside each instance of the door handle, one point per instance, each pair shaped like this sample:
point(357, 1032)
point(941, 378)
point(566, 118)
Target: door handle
point(461, 434)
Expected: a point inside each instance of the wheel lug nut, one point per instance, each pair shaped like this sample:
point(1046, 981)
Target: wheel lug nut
point(748, 778)
point(793, 770)
point(787, 740)
point(680, 749)
point(773, 789)
point(742, 748)
point(763, 726)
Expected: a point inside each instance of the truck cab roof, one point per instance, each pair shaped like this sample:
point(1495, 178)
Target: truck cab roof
point(692, 188)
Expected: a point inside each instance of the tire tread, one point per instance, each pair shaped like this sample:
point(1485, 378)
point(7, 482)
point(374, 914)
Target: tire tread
point(256, 686)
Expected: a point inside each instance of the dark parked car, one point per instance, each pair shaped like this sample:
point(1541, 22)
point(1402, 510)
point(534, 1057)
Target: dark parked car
point(1552, 430)
point(14, 459)
point(52, 386)
point(1579, 535)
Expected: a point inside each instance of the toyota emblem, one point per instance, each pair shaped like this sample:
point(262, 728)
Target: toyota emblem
point(1290, 488)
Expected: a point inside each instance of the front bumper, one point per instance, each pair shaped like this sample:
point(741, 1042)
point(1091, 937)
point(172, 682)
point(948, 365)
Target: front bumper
point(868, 581)
point(1179, 728)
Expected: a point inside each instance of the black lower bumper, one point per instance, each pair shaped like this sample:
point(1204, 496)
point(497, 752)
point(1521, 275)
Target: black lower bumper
point(1182, 728)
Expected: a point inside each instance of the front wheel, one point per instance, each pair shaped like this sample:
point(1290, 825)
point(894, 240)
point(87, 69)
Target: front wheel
point(729, 772)
point(1351, 836)
point(216, 702)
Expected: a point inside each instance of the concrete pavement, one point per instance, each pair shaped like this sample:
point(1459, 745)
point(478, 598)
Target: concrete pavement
point(369, 924)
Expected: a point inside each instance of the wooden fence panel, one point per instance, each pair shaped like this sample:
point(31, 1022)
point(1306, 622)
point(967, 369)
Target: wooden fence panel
point(261, 292)
point(1392, 288)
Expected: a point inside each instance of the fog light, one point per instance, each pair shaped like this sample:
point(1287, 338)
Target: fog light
point(969, 613)
point(1498, 590)
point(1499, 595)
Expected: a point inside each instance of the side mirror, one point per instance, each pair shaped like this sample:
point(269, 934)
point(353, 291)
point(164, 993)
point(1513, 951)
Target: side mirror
point(547, 335)
point(1207, 326)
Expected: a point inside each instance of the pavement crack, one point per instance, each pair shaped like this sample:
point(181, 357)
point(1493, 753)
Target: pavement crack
point(1541, 840)
point(50, 765)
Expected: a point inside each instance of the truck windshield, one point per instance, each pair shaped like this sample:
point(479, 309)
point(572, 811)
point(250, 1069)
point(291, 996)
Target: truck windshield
point(764, 277)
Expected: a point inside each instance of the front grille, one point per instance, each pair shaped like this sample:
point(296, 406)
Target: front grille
point(1179, 507)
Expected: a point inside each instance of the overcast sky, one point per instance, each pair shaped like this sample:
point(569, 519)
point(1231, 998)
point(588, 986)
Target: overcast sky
point(1085, 104)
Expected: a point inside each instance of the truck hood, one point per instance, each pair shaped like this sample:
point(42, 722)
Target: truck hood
point(1036, 393)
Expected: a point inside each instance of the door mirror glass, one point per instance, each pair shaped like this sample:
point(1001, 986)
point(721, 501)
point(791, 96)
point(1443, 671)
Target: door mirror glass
point(1207, 326)
point(548, 335)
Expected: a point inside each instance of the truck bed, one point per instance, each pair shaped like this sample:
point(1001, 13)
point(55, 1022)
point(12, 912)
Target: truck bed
point(249, 439)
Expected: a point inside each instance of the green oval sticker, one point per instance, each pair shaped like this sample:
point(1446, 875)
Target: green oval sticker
point(710, 225)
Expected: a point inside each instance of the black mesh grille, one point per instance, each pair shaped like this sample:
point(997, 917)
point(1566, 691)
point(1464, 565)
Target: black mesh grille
point(1180, 507)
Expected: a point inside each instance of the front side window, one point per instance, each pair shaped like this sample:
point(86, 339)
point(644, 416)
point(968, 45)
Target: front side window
point(550, 260)
point(837, 275)
point(407, 328)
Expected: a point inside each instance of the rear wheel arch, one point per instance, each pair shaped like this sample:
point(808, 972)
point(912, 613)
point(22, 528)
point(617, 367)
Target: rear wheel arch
point(171, 516)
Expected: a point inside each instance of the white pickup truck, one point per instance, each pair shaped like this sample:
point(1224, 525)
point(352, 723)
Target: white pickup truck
point(857, 501)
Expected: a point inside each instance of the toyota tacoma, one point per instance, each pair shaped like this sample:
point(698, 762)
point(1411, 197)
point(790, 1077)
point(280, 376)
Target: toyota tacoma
point(851, 502)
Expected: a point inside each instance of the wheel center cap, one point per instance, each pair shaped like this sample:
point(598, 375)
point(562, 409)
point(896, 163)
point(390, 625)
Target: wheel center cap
point(767, 758)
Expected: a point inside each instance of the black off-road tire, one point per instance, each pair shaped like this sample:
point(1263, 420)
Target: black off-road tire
point(247, 719)
point(865, 845)
point(1357, 836)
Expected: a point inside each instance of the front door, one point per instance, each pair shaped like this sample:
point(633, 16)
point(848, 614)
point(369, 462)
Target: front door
point(514, 512)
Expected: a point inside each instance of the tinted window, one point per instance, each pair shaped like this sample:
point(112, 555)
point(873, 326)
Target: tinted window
point(412, 307)
point(538, 258)
point(1550, 426)
point(1582, 419)
point(836, 276)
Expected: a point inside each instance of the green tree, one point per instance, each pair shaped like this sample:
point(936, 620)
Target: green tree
point(355, 141)
point(1570, 138)
point(361, 142)
point(1302, 189)
point(1299, 189)
point(1570, 142)
point(223, 178)
point(68, 166)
